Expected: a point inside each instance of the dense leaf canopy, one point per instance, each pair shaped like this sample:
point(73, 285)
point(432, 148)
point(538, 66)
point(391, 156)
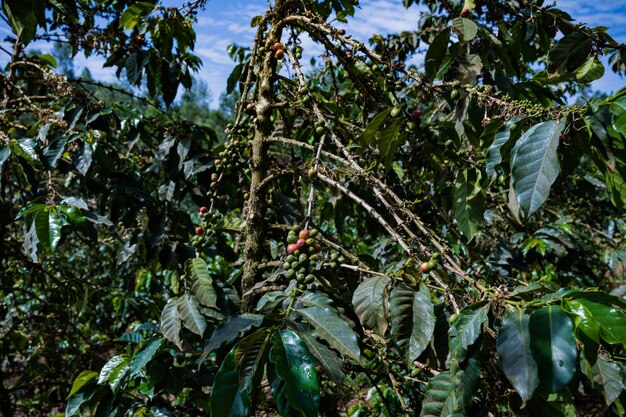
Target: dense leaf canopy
point(358, 236)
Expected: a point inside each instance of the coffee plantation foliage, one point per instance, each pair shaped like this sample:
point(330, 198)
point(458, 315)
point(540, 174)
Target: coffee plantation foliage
point(370, 237)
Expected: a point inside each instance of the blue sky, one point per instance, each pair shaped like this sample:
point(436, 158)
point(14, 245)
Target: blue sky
point(227, 21)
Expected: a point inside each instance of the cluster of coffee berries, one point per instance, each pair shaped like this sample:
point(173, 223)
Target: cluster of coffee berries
point(302, 256)
point(203, 232)
point(233, 159)
point(279, 51)
point(426, 267)
point(319, 128)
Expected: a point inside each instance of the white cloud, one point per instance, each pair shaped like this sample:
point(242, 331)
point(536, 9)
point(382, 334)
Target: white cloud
point(382, 17)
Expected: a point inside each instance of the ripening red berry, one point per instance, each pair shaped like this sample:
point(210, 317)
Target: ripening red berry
point(466, 13)
point(416, 115)
point(341, 32)
point(291, 248)
point(300, 244)
point(304, 234)
point(278, 46)
point(203, 210)
point(280, 54)
point(250, 108)
point(424, 267)
point(199, 230)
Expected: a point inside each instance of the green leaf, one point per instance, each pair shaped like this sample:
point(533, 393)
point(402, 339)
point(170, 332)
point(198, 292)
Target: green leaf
point(535, 165)
point(234, 77)
point(494, 154)
point(618, 109)
point(5, 152)
point(332, 328)
point(48, 59)
point(53, 152)
point(202, 287)
point(436, 52)
point(230, 329)
point(22, 16)
point(583, 320)
point(256, 21)
point(250, 358)
point(113, 371)
point(440, 397)
point(449, 393)
point(76, 401)
point(26, 147)
point(610, 377)
point(616, 187)
point(117, 375)
point(590, 70)
point(190, 314)
point(144, 353)
point(279, 392)
point(469, 207)
point(467, 68)
point(516, 360)
point(370, 301)
point(328, 358)
point(550, 405)
point(413, 320)
point(169, 82)
point(131, 16)
point(227, 399)
point(171, 323)
point(270, 300)
point(134, 65)
point(466, 29)
point(389, 139)
point(296, 367)
point(569, 53)
point(83, 157)
point(466, 328)
point(45, 228)
point(553, 346)
point(369, 134)
point(610, 319)
point(81, 380)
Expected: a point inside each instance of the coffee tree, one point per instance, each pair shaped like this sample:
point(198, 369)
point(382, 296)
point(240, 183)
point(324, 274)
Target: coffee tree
point(373, 237)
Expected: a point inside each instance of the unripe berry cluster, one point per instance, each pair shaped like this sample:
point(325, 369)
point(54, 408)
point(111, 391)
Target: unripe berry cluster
point(203, 232)
point(302, 256)
point(431, 264)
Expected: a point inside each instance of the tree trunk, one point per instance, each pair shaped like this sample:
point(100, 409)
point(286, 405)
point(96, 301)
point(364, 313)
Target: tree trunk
point(256, 227)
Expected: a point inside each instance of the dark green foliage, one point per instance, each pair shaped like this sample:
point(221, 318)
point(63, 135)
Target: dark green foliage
point(464, 247)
